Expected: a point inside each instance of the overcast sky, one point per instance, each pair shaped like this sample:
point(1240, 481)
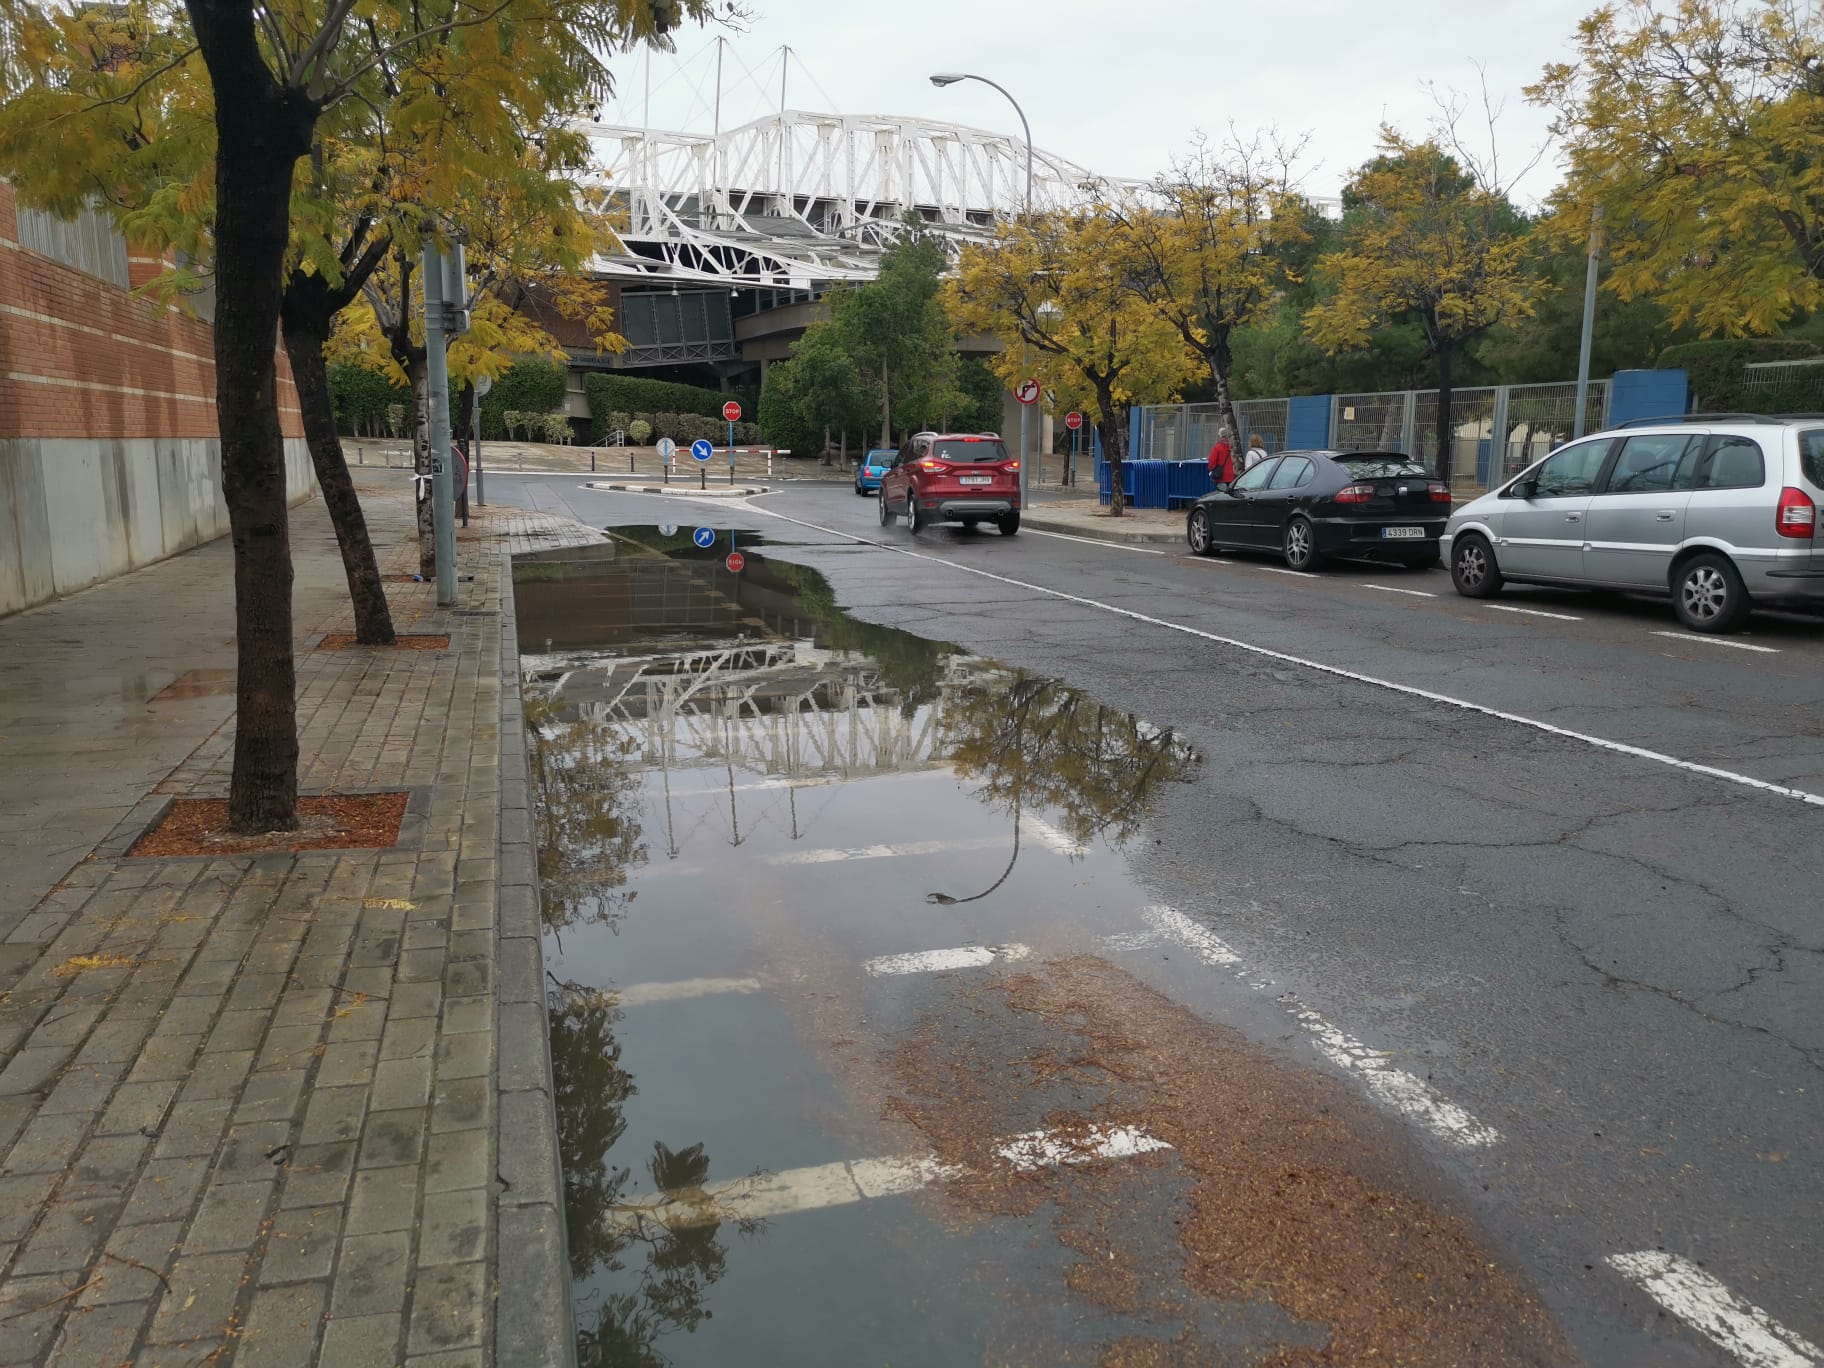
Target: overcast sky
point(1124, 98)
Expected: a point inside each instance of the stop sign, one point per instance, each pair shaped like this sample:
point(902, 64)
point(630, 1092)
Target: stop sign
point(1073, 420)
point(736, 562)
point(731, 411)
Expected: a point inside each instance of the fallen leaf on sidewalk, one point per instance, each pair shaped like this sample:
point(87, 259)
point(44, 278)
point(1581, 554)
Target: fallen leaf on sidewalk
point(77, 964)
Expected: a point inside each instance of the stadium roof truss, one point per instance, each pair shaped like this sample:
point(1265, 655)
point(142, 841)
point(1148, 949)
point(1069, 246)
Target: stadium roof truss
point(797, 200)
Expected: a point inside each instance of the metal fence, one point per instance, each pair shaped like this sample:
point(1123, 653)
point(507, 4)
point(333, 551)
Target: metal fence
point(1785, 386)
point(1186, 432)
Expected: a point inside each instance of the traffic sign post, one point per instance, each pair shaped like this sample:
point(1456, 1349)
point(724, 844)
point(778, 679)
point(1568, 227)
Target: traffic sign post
point(704, 537)
point(732, 412)
point(1027, 393)
point(668, 452)
point(700, 452)
point(1074, 421)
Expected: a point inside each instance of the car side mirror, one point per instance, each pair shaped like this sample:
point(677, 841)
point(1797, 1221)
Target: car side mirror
point(1523, 489)
point(1222, 487)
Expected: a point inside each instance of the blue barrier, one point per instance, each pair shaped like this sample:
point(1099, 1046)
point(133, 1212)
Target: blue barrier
point(1155, 484)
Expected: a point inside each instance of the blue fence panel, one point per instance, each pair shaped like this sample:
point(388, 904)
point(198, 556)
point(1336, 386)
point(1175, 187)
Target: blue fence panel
point(1308, 422)
point(1637, 394)
point(1188, 481)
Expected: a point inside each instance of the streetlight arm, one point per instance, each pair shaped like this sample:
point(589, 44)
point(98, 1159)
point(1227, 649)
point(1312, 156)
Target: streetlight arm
point(1025, 127)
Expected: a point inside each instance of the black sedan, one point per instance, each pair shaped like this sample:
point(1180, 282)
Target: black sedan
point(1311, 505)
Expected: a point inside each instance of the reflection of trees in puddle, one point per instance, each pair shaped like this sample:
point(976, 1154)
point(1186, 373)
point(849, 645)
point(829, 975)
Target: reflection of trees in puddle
point(585, 795)
point(1036, 743)
point(665, 1273)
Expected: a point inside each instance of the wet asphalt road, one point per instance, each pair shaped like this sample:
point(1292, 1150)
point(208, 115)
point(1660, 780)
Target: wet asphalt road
point(1610, 964)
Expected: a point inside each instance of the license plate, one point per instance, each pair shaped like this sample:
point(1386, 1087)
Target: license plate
point(1402, 533)
point(976, 479)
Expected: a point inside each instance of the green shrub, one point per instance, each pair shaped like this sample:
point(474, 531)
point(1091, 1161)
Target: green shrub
point(779, 419)
point(610, 394)
point(639, 432)
point(531, 385)
point(360, 398)
point(1721, 382)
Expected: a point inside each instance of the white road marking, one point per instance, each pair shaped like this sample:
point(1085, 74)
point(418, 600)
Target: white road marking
point(1053, 839)
point(1719, 641)
point(1390, 589)
point(1287, 570)
point(1742, 1329)
point(1405, 1092)
point(1098, 541)
point(1338, 672)
point(1125, 942)
point(1532, 612)
point(827, 1185)
point(941, 961)
point(638, 994)
point(883, 852)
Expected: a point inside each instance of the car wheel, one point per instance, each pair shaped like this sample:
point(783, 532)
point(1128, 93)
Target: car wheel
point(1473, 569)
point(886, 509)
point(914, 522)
point(1301, 545)
point(1197, 532)
point(860, 493)
point(1009, 523)
point(1708, 595)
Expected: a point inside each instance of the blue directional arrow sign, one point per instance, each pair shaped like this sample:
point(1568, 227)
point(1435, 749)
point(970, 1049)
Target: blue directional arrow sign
point(704, 537)
point(702, 449)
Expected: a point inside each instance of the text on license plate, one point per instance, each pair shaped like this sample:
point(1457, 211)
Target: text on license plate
point(1402, 533)
point(984, 479)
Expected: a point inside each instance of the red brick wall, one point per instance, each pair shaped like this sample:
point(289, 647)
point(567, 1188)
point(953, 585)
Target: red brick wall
point(80, 357)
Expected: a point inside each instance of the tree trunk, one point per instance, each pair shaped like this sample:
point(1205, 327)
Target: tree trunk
point(419, 370)
point(1222, 360)
point(304, 346)
point(1444, 429)
point(261, 132)
point(886, 410)
point(1111, 423)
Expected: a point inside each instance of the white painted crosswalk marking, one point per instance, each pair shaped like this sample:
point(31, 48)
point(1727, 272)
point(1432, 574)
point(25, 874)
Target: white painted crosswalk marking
point(940, 961)
point(1738, 1327)
point(827, 1185)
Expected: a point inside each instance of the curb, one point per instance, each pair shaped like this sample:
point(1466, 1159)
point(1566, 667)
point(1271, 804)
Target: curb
point(680, 492)
point(1071, 529)
point(533, 1325)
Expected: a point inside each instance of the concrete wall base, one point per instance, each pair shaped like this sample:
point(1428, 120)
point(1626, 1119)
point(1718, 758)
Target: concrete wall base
point(75, 511)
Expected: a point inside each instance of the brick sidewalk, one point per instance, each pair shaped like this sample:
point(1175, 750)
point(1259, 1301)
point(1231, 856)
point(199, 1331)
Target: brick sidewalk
point(283, 1109)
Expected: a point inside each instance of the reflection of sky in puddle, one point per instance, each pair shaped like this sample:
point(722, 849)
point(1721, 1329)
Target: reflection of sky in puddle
point(735, 781)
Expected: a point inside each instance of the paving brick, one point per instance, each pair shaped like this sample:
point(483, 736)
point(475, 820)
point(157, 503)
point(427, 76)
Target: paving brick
point(371, 1274)
point(133, 1264)
point(464, 1014)
point(193, 1129)
point(348, 1064)
point(21, 1199)
point(216, 1076)
point(271, 1095)
point(302, 1245)
point(466, 1056)
point(139, 1107)
point(459, 1103)
point(456, 1160)
point(48, 1142)
point(318, 1174)
point(448, 1307)
point(282, 1328)
point(362, 1341)
point(402, 1083)
point(166, 1189)
point(455, 1358)
point(254, 1152)
point(33, 1070)
point(231, 1217)
point(392, 1138)
point(334, 1114)
point(532, 1304)
point(454, 1228)
point(408, 1038)
point(67, 1237)
point(237, 1030)
point(415, 1000)
point(99, 1335)
point(383, 1199)
point(200, 1300)
point(29, 1311)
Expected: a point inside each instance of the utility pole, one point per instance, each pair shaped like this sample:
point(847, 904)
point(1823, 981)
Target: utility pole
point(445, 295)
point(1589, 324)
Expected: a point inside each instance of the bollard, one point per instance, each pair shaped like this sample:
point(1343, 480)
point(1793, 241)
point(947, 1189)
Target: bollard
point(360, 454)
point(702, 477)
point(592, 460)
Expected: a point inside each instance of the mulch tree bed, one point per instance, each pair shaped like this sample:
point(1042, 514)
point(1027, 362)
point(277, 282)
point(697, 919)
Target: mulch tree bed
point(330, 821)
point(345, 641)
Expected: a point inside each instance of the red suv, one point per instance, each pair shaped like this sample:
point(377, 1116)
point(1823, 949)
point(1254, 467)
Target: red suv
point(965, 478)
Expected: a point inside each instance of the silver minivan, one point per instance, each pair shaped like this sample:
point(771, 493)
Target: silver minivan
point(1717, 511)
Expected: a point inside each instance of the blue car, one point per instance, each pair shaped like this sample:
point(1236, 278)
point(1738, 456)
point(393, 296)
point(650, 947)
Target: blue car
point(872, 467)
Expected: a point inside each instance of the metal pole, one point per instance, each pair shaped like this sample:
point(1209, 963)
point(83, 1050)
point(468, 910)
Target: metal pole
point(1589, 326)
point(475, 443)
point(443, 493)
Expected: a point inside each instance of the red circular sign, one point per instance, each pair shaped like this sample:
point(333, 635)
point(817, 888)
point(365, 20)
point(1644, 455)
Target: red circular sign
point(1073, 420)
point(732, 411)
point(736, 562)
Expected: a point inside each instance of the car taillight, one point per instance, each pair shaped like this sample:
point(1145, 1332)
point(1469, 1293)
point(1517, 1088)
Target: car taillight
point(938, 466)
point(1797, 515)
point(1011, 467)
point(1440, 492)
point(1356, 493)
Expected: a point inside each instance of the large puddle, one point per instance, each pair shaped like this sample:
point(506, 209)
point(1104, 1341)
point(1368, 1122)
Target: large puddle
point(865, 1048)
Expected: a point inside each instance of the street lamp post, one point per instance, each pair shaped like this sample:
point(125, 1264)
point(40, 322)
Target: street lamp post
point(950, 78)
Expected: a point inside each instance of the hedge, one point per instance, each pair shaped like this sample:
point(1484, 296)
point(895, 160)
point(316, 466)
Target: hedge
point(530, 385)
point(1719, 376)
point(630, 394)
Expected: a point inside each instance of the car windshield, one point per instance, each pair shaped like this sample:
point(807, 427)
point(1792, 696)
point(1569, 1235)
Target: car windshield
point(879, 457)
point(1811, 455)
point(969, 449)
point(1380, 466)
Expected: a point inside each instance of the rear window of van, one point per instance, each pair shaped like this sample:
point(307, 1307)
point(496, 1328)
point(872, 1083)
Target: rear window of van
point(1811, 456)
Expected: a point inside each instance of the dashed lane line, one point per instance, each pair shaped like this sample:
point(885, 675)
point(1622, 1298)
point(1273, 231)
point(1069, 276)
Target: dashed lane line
point(1339, 672)
point(1404, 1092)
point(858, 1180)
point(1390, 589)
point(1099, 541)
point(1285, 570)
point(1720, 641)
point(1738, 1327)
point(639, 994)
point(1532, 612)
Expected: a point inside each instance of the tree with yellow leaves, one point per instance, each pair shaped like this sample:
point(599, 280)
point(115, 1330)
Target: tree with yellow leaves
point(189, 121)
point(1423, 239)
point(1698, 136)
point(1204, 246)
point(1063, 285)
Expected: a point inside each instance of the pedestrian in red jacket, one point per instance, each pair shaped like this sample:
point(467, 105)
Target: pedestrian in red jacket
point(1222, 461)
